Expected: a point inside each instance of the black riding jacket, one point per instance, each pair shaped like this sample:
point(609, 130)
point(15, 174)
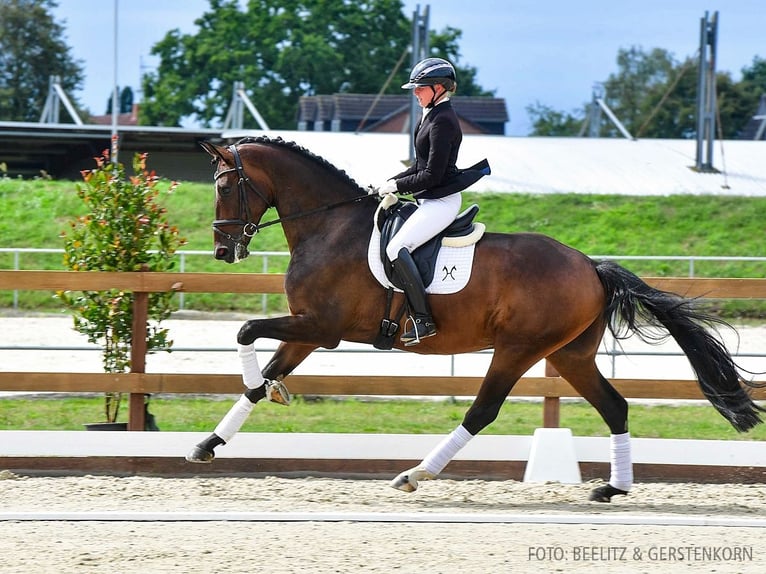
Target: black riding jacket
point(437, 142)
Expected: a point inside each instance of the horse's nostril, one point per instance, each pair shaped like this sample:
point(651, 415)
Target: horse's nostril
point(221, 252)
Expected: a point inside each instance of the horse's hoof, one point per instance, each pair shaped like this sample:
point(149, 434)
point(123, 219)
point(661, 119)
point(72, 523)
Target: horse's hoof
point(605, 493)
point(200, 455)
point(276, 392)
point(405, 483)
point(408, 480)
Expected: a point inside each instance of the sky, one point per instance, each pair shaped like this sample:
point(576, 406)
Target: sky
point(550, 52)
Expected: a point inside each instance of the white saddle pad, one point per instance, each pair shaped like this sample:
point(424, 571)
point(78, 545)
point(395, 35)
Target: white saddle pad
point(453, 264)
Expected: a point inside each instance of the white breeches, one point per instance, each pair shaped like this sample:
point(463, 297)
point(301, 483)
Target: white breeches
point(431, 217)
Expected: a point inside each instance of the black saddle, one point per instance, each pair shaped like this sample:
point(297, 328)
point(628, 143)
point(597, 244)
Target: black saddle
point(391, 220)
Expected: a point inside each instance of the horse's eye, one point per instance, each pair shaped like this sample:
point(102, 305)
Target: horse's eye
point(224, 190)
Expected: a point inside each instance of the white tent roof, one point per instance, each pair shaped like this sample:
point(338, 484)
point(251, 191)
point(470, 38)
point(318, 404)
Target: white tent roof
point(555, 165)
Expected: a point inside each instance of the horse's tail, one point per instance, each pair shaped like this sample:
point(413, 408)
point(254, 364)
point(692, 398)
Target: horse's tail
point(633, 305)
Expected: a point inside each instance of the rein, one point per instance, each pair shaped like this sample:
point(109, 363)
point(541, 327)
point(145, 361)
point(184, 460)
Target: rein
point(249, 229)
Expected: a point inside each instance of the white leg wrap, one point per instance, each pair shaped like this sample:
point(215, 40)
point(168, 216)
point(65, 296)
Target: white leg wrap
point(234, 419)
point(251, 372)
point(438, 458)
point(621, 475)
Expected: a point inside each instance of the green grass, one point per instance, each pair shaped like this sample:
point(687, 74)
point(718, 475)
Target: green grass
point(34, 212)
point(177, 413)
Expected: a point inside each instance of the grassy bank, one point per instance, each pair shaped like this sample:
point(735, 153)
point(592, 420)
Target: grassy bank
point(355, 416)
point(34, 212)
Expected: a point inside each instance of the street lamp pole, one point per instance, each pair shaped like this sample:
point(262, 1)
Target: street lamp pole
point(115, 109)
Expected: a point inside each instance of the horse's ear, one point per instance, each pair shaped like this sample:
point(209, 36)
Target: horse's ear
point(216, 152)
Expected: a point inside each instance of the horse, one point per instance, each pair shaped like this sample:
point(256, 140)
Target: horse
point(529, 297)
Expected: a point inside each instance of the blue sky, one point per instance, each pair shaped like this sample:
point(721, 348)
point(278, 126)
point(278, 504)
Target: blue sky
point(547, 51)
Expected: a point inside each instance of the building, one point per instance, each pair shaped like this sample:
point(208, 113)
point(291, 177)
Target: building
point(391, 113)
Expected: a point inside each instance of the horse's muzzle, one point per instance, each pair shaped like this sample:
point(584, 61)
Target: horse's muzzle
point(229, 254)
point(224, 253)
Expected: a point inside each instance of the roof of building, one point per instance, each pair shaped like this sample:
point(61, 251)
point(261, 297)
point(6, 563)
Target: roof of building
point(358, 106)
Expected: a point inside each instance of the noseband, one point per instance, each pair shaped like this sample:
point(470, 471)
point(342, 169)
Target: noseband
point(248, 227)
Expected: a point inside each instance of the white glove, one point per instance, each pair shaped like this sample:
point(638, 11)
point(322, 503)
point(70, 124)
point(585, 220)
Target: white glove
point(387, 187)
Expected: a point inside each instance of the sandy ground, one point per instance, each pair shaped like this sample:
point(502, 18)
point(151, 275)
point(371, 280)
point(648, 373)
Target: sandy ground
point(348, 546)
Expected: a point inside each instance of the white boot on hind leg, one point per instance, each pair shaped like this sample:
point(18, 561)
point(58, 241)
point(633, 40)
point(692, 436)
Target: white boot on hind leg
point(435, 462)
point(408, 480)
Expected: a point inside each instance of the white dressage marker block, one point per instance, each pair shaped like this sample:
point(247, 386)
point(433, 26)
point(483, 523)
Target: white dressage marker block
point(552, 457)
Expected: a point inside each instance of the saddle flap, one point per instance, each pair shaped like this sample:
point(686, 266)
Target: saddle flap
point(390, 221)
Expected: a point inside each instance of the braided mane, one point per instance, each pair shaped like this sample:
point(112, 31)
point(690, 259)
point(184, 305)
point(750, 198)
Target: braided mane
point(279, 142)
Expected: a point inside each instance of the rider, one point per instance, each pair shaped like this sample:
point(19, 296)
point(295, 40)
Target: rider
point(433, 179)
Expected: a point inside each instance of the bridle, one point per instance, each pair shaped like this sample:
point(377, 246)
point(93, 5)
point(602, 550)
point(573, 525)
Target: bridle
point(249, 228)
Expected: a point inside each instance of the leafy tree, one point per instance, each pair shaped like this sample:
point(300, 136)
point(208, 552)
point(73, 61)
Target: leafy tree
point(32, 48)
point(124, 229)
point(626, 92)
point(549, 122)
point(655, 96)
point(282, 50)
point(751, 88)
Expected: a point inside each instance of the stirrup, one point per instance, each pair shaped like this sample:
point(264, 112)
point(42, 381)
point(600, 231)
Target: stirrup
point(276, 392)
point(422, 328)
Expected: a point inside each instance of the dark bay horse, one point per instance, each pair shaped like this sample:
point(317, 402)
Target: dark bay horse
point(529, 298)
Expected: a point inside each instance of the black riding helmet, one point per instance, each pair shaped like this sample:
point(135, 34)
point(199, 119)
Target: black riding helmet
point(430, 72)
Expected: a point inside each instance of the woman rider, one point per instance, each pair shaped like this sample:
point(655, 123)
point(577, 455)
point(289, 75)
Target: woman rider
point(435, 182)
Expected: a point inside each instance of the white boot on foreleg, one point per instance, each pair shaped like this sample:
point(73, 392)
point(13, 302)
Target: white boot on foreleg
point(252, 378)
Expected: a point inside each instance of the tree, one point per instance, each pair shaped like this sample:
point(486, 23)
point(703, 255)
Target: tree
point(32, 48)
point(639, 74)
point(654, 96)
point(549, 122)
point(124, 229)
point(751, 88)
point(283, 50)
point(280, 49)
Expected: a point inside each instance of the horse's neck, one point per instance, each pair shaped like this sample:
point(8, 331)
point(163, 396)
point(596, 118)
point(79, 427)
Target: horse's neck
point(334, 220)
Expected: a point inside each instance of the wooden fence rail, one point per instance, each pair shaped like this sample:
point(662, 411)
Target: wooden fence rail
point(137, 383)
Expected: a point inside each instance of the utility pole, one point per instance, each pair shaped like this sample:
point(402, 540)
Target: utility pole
point(115, 104)
point(419, 52)
point(706, 98)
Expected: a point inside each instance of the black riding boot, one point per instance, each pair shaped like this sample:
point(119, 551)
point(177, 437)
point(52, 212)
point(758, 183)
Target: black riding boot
point(412, 283)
